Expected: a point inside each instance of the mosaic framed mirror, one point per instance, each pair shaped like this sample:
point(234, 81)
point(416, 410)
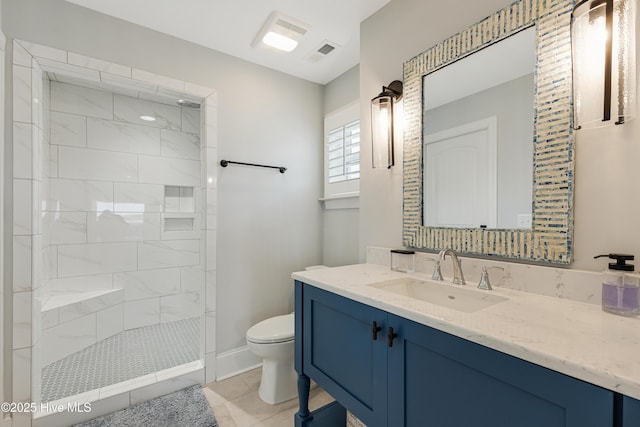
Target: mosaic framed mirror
point(549, 237)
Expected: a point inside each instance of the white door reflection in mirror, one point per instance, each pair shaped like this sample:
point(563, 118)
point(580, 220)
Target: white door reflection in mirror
point(495, 81)
point(461, 176)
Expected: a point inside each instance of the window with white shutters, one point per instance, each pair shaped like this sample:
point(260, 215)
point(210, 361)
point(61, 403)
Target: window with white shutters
point(342, 151)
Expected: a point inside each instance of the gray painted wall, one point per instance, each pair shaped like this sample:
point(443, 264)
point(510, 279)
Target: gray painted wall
point(269, 224)
point(342, 90)
point(340, 237)
point(340, 226)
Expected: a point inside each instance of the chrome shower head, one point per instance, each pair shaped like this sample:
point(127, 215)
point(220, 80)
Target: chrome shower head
point(188, 104)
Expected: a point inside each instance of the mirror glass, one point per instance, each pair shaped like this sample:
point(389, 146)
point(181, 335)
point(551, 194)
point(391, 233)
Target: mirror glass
point(514, 188)
point(478, 116)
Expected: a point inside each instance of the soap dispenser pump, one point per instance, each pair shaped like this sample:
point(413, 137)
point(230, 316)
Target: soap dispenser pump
point(620, 286)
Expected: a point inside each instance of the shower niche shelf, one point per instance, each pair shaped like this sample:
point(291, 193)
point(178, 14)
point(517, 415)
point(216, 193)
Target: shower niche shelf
point(179, 220)
point(179, 199)
point(179, 224)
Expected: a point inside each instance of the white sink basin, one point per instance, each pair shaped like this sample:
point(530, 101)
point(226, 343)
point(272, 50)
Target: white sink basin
point(444, 294)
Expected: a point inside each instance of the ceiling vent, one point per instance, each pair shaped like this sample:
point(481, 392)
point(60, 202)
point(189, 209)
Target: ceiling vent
point(281, 33)
point(321, 52)
point(326, 49)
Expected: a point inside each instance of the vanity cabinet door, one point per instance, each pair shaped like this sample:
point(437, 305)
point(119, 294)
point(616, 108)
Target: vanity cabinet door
point(438, 380)
point(630, 412)
point(339, 352)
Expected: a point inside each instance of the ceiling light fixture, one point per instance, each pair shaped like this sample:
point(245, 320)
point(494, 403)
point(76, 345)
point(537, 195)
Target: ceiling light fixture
point(281, 33)
point(279, 41)
point(148, 118)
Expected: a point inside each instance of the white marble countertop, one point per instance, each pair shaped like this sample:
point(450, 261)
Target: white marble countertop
point(574, 338)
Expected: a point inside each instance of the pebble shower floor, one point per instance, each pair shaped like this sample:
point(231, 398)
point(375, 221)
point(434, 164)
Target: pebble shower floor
point(122, 357)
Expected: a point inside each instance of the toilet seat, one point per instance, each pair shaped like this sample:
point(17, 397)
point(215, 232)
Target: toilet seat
point(273, 330)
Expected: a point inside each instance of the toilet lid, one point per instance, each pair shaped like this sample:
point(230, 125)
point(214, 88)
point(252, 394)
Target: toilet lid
point(273, 330)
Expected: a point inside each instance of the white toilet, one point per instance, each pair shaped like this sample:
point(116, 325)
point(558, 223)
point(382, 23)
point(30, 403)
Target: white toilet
point(272, 339)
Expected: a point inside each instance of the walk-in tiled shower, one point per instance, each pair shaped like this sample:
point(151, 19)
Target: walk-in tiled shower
point(121, 229)
point(114, 231)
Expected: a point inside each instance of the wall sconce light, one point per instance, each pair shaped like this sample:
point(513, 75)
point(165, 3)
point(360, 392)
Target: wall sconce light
point(603, 53)
point(382, 124)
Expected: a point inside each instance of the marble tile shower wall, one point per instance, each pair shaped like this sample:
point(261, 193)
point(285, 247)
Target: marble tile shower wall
point(28, 164)
point(114, 181)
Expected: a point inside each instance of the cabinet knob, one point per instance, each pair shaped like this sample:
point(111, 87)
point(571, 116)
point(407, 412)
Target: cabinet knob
point(390, 336)
point(374, 330)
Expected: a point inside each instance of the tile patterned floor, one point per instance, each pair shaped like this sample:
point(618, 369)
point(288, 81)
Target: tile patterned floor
point(124, 356)
point(235, 403)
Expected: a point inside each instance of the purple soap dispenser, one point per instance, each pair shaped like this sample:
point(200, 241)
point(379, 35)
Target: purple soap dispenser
point(620, 286)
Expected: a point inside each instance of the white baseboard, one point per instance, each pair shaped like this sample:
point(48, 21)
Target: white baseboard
point(236, 361)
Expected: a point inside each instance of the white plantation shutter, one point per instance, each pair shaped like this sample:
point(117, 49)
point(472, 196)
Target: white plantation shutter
point(342, 151)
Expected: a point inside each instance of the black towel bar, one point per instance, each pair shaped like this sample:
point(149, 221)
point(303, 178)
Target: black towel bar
point(225, 163)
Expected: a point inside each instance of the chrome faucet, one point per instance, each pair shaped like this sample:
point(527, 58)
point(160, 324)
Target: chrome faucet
point(484, 277)
point(458, 277)
point(437, 273)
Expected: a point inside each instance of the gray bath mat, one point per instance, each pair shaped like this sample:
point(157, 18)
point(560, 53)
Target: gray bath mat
point(186, 407)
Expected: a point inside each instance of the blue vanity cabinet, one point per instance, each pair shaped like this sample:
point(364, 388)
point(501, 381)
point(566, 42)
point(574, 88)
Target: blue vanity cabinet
point(437, 379)
point(408, 374)
point(344, 352)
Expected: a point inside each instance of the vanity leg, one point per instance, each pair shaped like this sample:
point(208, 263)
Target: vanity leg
point(303, 416)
